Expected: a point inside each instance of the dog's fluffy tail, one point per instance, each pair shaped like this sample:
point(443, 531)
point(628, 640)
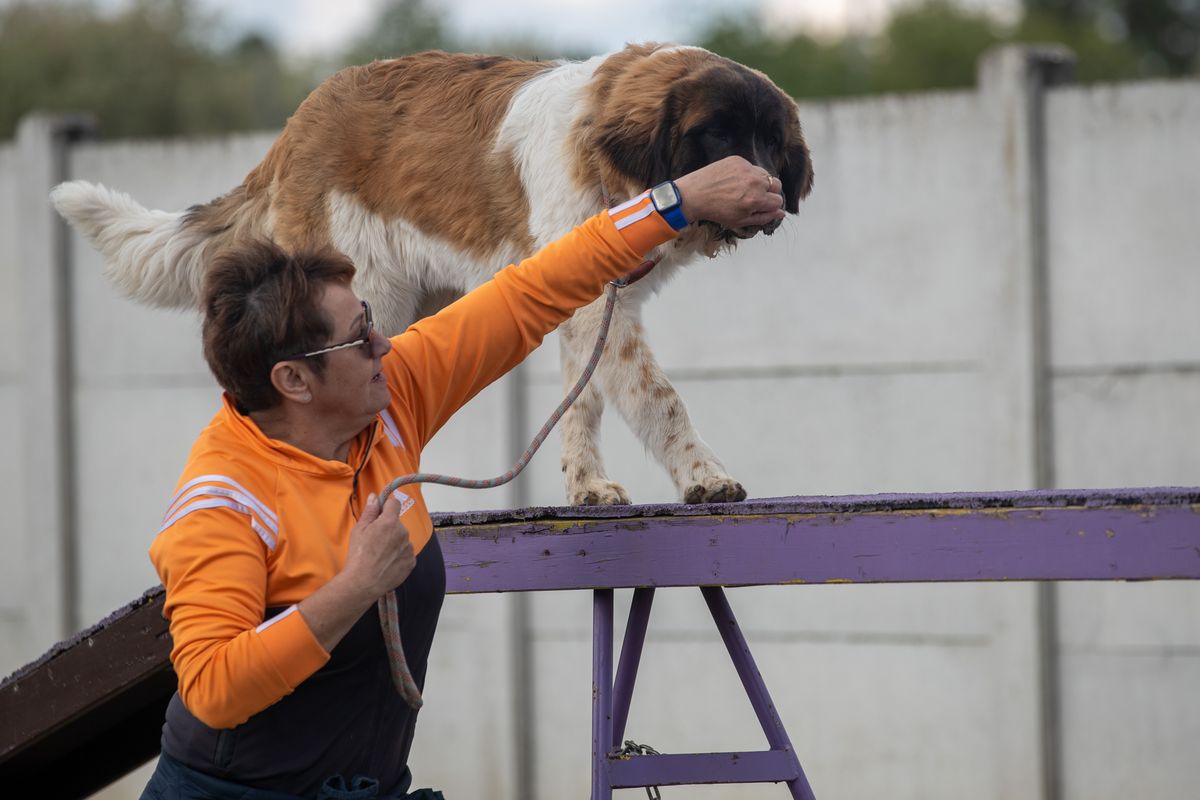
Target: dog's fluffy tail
point(156, 257)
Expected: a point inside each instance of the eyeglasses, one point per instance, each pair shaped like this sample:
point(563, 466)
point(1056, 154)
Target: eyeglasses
point(364, 341)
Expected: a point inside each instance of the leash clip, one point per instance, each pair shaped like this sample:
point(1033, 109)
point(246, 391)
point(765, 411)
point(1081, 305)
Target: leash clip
point(637, 274)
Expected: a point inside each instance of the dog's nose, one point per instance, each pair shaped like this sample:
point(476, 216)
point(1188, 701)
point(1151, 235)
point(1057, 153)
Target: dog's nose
point(771, 226)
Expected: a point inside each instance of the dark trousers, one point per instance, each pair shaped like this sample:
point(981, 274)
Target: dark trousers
point(173, 780)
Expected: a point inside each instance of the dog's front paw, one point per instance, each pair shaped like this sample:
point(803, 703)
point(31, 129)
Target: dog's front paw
point(715, 490)
point(598, 492)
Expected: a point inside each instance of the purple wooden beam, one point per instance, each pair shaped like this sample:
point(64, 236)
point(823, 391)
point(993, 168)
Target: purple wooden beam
point(1134, 534)
point(602, 644)
point(766, 766)
point(631, 656)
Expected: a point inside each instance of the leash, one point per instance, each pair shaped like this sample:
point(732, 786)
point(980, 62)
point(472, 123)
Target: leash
point(389, 612)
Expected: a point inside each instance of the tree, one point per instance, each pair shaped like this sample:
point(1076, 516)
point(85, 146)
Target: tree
point(402, 27)
point(932, 44)
point(147, 71)
point(1164, 33)
point(802, 65)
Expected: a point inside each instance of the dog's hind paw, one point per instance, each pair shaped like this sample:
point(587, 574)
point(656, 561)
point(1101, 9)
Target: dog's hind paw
point(715, 490)
point(598, 492)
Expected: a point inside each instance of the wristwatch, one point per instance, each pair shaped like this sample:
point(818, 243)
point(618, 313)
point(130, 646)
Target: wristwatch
point(669, 204)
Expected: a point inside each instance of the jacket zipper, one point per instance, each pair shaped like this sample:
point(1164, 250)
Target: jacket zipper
point(358, 470)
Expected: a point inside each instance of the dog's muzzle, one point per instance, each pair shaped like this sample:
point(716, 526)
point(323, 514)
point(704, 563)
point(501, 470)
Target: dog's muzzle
point(731, 235)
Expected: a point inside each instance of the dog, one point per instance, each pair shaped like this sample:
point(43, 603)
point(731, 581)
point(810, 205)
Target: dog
point(432, 171)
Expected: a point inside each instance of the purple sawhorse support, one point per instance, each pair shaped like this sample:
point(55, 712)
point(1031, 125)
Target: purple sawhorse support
point(752, 680)
point(602, 634)
point(631, 656)
point(610, 711)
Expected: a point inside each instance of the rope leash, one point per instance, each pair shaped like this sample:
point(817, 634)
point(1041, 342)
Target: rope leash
point(389, 612)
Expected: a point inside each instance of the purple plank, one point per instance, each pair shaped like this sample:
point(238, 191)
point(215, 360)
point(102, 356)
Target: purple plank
point(1115, 534)
point(1056, 498)
point(631, 656)
point(765, 766)
point(602, 647)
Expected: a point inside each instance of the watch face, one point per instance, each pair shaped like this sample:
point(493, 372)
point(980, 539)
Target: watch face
point(664, 196)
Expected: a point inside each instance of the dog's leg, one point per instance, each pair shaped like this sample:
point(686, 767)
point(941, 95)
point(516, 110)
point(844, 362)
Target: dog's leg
point(582, 464)
point(635, 384)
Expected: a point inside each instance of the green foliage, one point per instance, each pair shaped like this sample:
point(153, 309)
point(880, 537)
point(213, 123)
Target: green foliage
point(937, 44)
point(1098, 58)
point(410, 26)
point(1163, 36)
point(934, 45)
point(801, 64)
point(147, 71)
point(402, 27)
point(154, 69)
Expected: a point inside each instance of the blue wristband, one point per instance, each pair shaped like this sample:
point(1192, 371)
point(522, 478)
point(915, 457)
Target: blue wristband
point(669, 204)
point(675, 218)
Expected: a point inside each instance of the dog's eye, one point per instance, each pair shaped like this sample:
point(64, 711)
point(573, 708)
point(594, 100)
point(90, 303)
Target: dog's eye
point(719, 135)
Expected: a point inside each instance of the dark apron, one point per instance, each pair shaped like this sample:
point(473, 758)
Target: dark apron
point(173, 780)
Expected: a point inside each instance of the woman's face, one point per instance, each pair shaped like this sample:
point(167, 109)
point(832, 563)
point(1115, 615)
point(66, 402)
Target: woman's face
point(352, 389)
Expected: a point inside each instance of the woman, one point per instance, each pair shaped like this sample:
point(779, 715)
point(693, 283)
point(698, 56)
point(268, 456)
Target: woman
point(276, 548)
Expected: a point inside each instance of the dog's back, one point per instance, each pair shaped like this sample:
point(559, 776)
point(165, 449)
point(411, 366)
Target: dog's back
point(408, 140)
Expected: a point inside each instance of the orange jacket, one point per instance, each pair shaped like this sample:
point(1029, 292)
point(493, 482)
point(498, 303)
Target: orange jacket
point(258, 523)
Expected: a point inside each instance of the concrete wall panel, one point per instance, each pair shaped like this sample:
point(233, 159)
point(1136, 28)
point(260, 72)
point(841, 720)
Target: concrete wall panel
point(124, 343)
point(18, 642)
point(1128, 430)
point(14, 622)
point(143, 390)
point(1136, 724)
point(465, 742)
point(1129, 650)
point(1123, 174)
point(126, 482)
point(838, 434)
point(11, 318)
point(1107, 618)
point(474, 445)
point(893, 259)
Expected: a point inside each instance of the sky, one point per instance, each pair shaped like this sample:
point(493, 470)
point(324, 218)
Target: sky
point(317, 27)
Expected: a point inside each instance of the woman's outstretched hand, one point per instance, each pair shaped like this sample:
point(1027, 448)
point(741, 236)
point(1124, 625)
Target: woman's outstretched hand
point(733, 193)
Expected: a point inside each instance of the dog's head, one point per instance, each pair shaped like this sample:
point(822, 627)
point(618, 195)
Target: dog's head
point(669, 111)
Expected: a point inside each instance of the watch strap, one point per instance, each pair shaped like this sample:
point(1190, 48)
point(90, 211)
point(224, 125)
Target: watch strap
point(672, 213)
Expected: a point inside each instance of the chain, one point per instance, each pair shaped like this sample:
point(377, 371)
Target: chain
point(632, 748)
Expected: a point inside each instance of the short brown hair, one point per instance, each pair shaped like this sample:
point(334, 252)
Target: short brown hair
point(262, 303)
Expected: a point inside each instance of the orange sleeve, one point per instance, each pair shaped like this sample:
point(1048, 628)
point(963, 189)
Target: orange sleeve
point(230, 664)
point(443, 361)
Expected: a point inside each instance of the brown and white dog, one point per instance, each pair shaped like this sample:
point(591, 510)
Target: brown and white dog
point(432, 171)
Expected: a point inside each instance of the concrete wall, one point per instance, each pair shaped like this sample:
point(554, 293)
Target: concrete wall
point(887, 339)
point(1126, 370)
point(16, 637)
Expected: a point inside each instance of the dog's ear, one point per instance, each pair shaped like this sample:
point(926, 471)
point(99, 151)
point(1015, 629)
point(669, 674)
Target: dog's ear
point(797, 175)
point(640, 146)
